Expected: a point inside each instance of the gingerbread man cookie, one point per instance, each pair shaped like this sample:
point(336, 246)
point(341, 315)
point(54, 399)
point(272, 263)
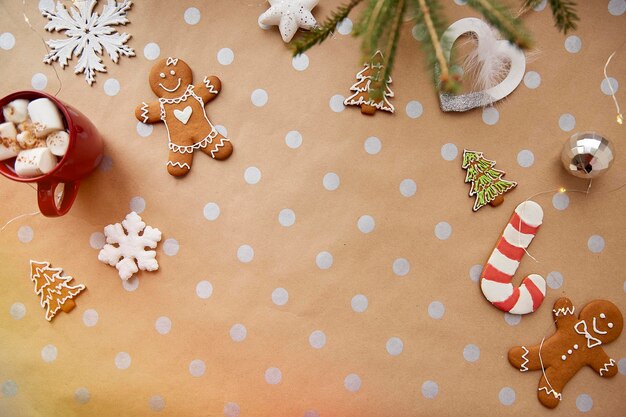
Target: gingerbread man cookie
point(181, 108)
point(577, 343)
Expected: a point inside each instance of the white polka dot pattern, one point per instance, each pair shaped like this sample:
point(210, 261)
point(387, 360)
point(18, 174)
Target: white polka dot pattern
point(293, 139)
point(352, 383)
point(394, 346)
point(300, 62)
point(512, 319)
point(197, 368)
point(324, 260)
point(430, 389)
point(336, 103)
point(506, 396)
point(245, 253)
point(82, 395)
point(204, 289)
point(259, 97)
point(111, 87)
point(584, 403)
point(401, 267)
point(122, 360)
point(273, 376)
point(449, 151)
point(137, 204)
point(151, 51)
point(225, 56)
point(39, 81)
point(555, 280)
point(490, 116)
point(49, 353)
point(359, 303)
point(471, 353)
point(17, 311)
point(90, 317)
point(7, 41)
point(170, 247)
point(192, 16)
point(408, 187)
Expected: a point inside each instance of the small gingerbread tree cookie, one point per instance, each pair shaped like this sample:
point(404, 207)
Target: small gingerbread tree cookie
point(576, 343)
point(54, 290)
point(368, 79)
point(487, 183)
point(181, 107)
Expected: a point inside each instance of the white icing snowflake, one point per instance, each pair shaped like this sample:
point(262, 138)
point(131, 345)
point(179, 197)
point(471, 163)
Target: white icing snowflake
point(130, 246)
point(88, 35)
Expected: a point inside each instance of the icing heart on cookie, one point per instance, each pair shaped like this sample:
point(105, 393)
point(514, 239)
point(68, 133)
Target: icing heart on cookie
point(184, 115)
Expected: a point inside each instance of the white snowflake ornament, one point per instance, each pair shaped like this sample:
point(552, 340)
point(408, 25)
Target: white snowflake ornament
point(89, 34)
point(289, 15)
point(130, 246)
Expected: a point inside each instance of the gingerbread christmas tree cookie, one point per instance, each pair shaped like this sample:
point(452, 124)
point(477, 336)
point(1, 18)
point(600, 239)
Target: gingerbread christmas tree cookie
point(181, 107)
point(577, 342)
point(487, 183)
point(54, 290)
point(369, 79)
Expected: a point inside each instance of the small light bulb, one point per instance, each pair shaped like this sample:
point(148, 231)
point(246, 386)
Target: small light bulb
point(562, 190)
point(620, 118)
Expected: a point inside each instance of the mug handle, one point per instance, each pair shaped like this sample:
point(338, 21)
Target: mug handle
point(45, 197)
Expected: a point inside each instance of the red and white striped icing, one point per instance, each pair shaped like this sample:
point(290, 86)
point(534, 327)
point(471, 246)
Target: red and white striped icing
point(499, 270)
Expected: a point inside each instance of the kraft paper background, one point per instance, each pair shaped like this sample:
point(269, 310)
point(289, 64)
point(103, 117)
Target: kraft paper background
point(82, 379)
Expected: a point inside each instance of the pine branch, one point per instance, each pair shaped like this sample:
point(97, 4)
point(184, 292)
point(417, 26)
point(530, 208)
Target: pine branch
point(390, 52)
point(564, 13)
point(528, 4)
point(428, 15)
point(319, 34)
point(502, 19)
point(377, 26)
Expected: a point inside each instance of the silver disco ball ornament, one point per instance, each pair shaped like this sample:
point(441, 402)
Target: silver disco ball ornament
point(587, 155)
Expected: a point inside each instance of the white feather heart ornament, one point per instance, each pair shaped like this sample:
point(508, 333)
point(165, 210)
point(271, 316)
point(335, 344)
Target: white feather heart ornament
point(499, 66)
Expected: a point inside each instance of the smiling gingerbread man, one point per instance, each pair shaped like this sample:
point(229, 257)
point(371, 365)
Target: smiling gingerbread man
point(181, 108)
point(576, 343)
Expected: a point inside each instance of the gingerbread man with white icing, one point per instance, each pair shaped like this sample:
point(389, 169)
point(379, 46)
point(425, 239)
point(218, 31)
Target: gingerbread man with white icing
point(576, 343)
point(181, 108)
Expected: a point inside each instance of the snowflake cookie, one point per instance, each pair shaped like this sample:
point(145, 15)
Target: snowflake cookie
point(89, 34)
point(130, 246)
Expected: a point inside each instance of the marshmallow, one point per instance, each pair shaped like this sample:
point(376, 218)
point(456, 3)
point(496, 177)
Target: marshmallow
point(45, 116)
point(34, 162)
point(26, 125)
point(8, 142)
point(58, 142)
point(7, 131)
point(26, 139)
point(16, 111)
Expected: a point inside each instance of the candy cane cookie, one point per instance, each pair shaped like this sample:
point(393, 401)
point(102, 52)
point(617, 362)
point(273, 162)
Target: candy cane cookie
point(497, 276)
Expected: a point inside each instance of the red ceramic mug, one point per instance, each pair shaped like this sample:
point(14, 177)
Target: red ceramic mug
point(83, 155)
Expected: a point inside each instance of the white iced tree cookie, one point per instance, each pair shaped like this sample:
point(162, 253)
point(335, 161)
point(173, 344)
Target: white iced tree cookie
point(89, 34)
point(124, 248)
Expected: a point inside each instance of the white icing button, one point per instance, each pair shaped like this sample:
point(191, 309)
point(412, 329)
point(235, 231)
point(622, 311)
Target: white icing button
point(610, 325)
point(575, 346)
point(602, 316)
point(569, 351)
point(563, 357)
